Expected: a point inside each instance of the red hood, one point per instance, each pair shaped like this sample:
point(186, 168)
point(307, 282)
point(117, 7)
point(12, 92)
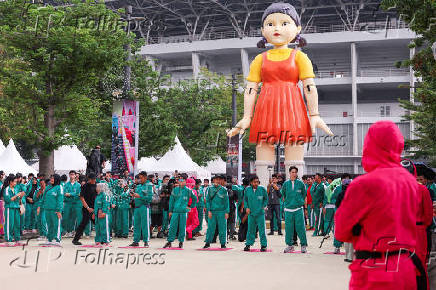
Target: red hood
point(382, 146)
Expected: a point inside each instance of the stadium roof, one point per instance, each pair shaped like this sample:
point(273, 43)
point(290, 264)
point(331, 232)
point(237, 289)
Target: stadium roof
point(196, 18)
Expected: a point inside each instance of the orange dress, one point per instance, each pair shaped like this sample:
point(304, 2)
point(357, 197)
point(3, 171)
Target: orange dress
point(280, 114)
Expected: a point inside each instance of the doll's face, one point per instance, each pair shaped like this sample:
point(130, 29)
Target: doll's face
point(279, 29)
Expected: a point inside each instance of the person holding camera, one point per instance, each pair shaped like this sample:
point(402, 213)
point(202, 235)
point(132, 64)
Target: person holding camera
point(274, 197)
point(165, 193)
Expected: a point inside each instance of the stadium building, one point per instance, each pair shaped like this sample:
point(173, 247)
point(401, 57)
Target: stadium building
point(353, 45)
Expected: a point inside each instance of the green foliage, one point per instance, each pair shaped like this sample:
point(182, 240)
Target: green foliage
point(421, 17)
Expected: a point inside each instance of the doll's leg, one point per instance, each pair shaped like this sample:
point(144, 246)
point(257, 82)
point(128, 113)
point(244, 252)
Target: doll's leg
point(294, 156)
point(265, 156)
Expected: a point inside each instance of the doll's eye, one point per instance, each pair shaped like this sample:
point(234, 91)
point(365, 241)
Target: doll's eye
point(285, 23)
point(269, 24)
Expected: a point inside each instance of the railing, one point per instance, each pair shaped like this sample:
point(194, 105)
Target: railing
point(332, 74)
point(371, 26)
point(383, 72)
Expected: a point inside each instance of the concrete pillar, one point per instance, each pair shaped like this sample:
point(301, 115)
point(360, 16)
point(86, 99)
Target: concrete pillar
point(151, 61)
point(195, 64)
point(245, 63)
point(412, 91)
point(297, 163)
point(354, 99)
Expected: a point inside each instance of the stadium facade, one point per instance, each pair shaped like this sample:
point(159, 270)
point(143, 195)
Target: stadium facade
point(353, 45)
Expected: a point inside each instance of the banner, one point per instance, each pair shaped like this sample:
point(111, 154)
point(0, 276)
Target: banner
point(232, 163)
point(125, 127)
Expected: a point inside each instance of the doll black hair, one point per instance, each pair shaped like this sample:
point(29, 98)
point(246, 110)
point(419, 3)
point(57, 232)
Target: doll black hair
point(289, 10)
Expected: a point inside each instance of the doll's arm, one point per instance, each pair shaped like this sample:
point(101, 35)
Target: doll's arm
point(311, 94)
point(249, 100)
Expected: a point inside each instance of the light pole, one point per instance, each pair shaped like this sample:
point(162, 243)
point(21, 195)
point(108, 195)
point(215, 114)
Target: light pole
point(127, 68)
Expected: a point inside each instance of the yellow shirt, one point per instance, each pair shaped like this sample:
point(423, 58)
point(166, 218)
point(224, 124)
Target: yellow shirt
point(303, 62)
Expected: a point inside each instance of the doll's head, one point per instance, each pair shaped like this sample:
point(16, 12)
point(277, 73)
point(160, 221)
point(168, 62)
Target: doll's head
point(281, 25)
point(190, 183)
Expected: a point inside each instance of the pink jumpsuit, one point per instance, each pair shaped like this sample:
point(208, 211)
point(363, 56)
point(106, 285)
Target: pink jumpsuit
point(384, 202)
point(192, 221)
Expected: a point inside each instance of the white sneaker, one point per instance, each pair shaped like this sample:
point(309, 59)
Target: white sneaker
point(337, 251)
point(40, 239)
point(303, 249)
point(34, 231)
point(57, 244)
point(289, 249)
point(10, 244)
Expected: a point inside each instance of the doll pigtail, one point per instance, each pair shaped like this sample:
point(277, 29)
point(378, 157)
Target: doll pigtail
point(301, 41)
point(262, 43)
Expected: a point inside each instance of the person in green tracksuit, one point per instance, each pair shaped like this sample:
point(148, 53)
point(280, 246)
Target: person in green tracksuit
point(41, 223)
point(218, 206)
point(200, 205)
point(329, 204)
point(30, 214)
point(102, 207)
point(317, 193)
point(178, 211)
point(141, 215)
point(294, 195)
point(72, 212)
point(52, 203)
point(12, 197)
point(21, 187)
point(164, 193)
point(255, 202)
point(123, 212)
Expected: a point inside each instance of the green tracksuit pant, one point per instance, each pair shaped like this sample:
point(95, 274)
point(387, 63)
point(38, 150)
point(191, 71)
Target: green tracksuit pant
point(328, 220)
point(29, 217)
point(12, 224)
point(165, 220)
point(310, 216)
point(317, 212)
point(200, 219)
point(41, 223)
point(122, 222)
point(253, 222)
point(294, 221)
point(71, 217)
point(53, 225)
point(141, 224)
point(102, 229)
point(178, 220)
point(220, 219)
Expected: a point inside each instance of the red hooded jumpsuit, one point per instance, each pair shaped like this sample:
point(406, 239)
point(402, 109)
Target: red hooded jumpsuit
point(384, 202)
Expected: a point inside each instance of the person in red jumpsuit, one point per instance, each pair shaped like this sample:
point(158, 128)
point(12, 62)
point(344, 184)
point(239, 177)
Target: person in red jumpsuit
point(192, 221)
point(379, 214)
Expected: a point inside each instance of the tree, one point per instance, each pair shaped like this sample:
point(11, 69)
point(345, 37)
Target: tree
point(421, 17)
point(52, 61)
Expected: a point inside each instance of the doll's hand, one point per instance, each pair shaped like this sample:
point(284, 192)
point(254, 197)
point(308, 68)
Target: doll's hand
point(240, 127)
point(317, 122)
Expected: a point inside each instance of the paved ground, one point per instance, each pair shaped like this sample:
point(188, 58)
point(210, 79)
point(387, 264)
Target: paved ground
point(72, 267)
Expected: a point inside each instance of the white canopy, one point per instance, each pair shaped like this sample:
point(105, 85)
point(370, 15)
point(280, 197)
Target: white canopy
point(216, 166)
point(67, 158)
point(178, 159)
point(147, 164)
point(2, 147)
point(12, 162)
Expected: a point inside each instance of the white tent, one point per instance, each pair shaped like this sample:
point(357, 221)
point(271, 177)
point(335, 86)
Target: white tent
point(12, 162)
point(67, 158)
point(2, 147)
point(147, 164)
point(216, 166)
point(178, 159)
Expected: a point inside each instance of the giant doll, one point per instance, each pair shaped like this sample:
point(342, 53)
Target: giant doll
point(280, 114)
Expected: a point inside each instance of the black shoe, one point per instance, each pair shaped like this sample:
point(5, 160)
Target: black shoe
point(271, 234)
point(206, 246)
point(213, 242)
point(348, 261)
point(263, 249)
point(247, 249)
point(160, 235)
point(146, 245)
point(223, 247)
point(280, 234)
point(233, 238)
point(134, 244)
point(77, 243)
point(190, 239)
point(181, 245)
point(167, 245)
point(295, 244)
